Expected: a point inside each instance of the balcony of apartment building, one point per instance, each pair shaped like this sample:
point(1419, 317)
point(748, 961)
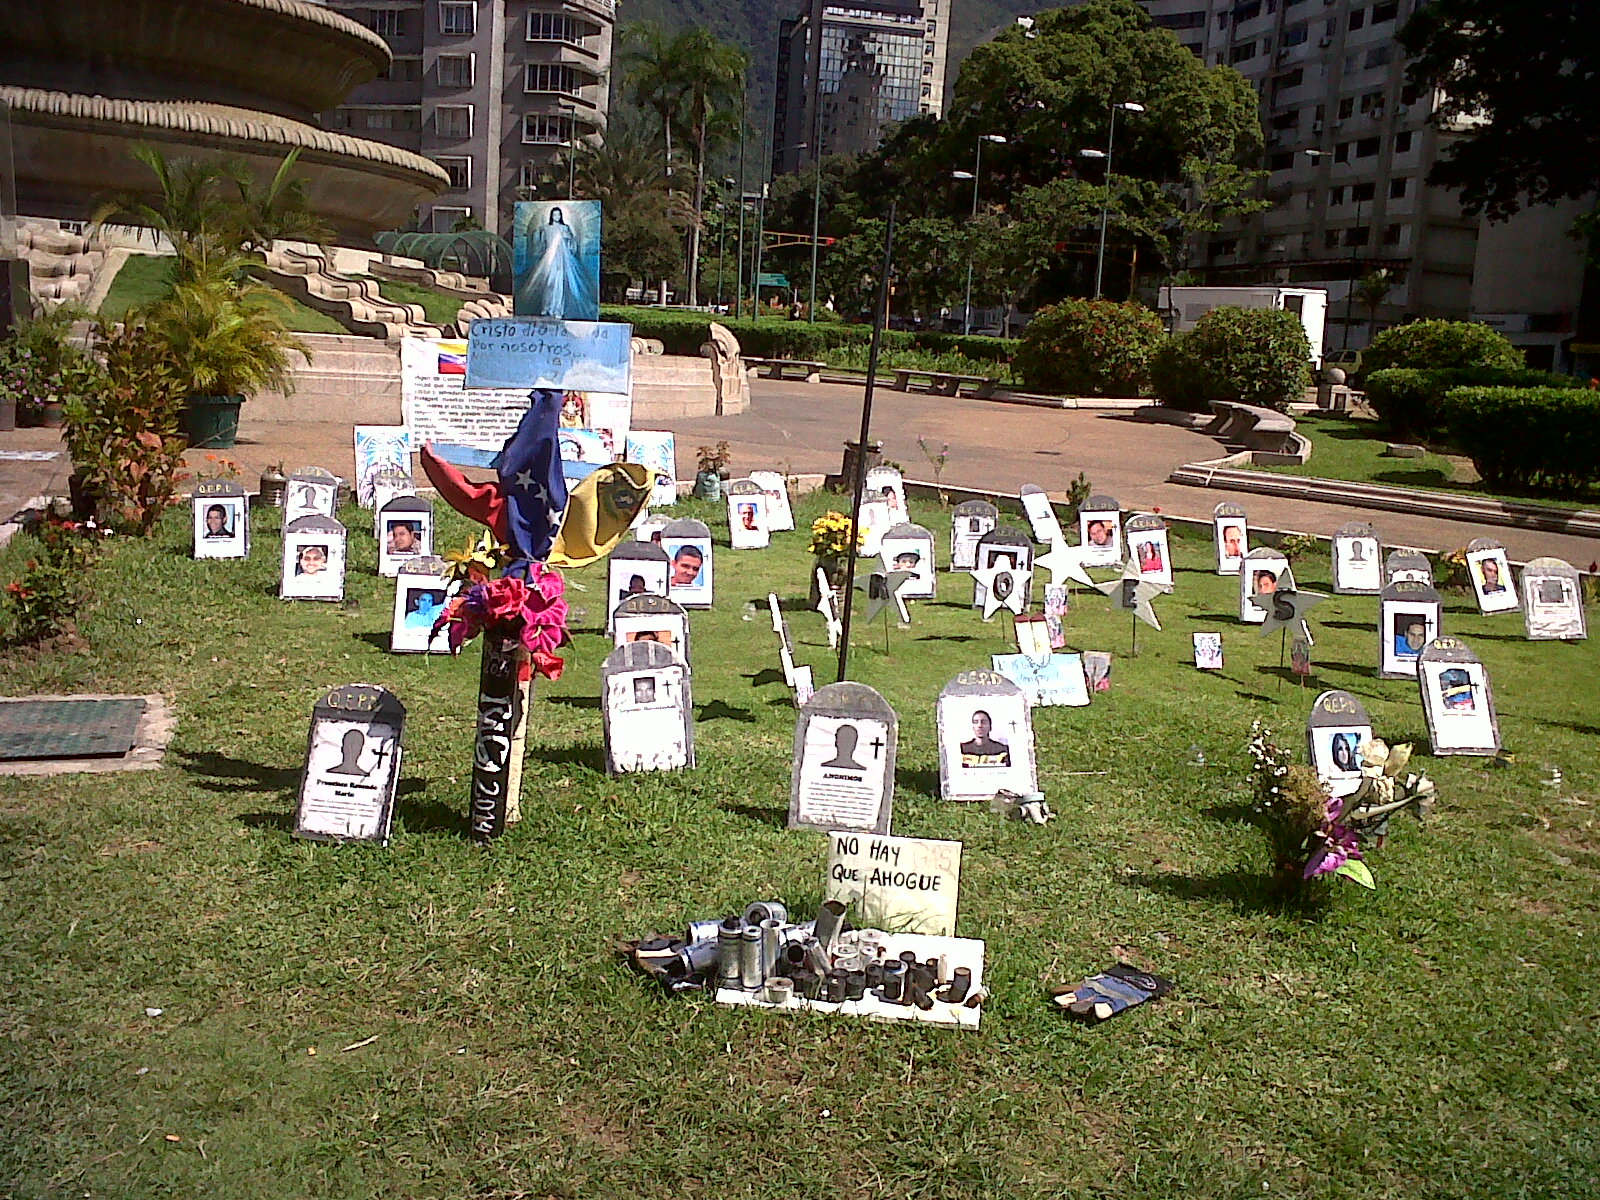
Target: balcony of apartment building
point(555, 35)
point(400, 23)
point(561, 90)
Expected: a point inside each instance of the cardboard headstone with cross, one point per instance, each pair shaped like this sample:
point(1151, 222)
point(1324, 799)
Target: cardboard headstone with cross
point(1357, 560)
point(1335, 731)
point(1100, 531)
point(1552, 601)
point(844, 754)
point(405, 531)
point(1008, 547)
point(969, 521)
point(353, 753)
point(688, 546)
point(646, 709)
point(1231, 531)
point(1490, 571)
point(635, 569)
point(221, 519)
point(1261, 573)
point(1148, 549)
point(1041, 515)
point(747, 516)
point(420, 594)
point(1407, 565)
point(985, 738)
point(908, 547)
point(1409, 615)
point(651, 618)
point(313, 560)
point(1456, 699)
point(310, 492)
point(780, 514)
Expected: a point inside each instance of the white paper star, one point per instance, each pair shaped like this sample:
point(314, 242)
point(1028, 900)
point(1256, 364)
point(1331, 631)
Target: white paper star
point(1285, 606)
point(1131, 592)
point(1064, 562)
point(882, 587)
point(997, 579)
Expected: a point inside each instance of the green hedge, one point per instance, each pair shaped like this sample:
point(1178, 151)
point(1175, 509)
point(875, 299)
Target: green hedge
point(1090, 348)
point(1440, 346)
point(1535, 439)
point(1409, 402)
point(1251, 355)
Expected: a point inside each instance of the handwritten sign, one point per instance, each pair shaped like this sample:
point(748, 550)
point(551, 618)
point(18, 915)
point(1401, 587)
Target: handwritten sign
point(539, 352)
point(902, 885)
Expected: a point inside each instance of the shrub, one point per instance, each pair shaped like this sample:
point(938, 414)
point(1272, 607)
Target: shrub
point(1250, 355)
point(43, 603)
point(1409, 401)
point(1440, 346)
point(1090, 348)
point(1538, 439)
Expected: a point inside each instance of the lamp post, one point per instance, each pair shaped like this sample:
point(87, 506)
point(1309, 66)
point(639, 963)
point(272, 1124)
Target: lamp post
point(1316, 156)
point(738, 294)
point(572, 147)
point(722, 234)
point(977, 168)
point(1128, 106)
point(816, 198)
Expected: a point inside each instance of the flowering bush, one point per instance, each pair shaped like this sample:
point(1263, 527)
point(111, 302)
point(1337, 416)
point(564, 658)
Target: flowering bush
point(38, 365)
point(831, 535)
point(530, 612)
point(1090, 348)
point(45, 600)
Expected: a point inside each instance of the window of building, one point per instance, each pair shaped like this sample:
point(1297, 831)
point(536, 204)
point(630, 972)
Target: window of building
point(1410, 94)
point(398, 120)
point(1336, 196)
point(1225, 248)
point(927, 90)
point(1330, 239)
point(1341, 152)
point(445, 219)
point(551, 77)
point(1372, 102)
point(1362, 193)
point(1402, 141)
point(1378, 56)
point(455, 70)
point(1391, 235)
point(1398, 188)
point(1296, 36)
point(1385, 12)
point(339, 118)
point(1358, 18)
point(1366, 147)
point(541, 129)
point(1357, 236)
point(927, 68)
point(405, 70)
point(1287, 120)
point(1282, 160)
point(459, 169)
point(1248, 11)
point(1288, 79)
point(555, 27)
point(1182, 20)
point(387, 22)
point(458, 18)
point(453, 120)
point(1242, 53)
point(1347, 108)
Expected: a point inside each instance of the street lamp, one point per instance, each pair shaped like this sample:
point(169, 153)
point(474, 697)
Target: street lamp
point(572, 146)
point(1128, 106)
point(1355, 265)
point(977, 167)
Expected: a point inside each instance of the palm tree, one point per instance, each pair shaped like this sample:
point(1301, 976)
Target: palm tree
point(654, 71)
point(1372, 290)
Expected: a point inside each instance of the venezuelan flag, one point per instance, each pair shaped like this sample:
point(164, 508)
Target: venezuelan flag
point(452, 358)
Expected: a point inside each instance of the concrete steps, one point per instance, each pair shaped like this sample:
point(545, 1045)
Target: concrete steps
point(350, 378)
point(62, 266)
point(353, 301)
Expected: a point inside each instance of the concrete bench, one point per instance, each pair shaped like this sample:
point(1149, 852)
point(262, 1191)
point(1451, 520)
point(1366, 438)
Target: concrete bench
point(944, 383)
point(1255, 427)
point(777, 368)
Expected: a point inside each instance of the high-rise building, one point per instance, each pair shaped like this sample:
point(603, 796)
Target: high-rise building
point(491, 90)
point(871, 63)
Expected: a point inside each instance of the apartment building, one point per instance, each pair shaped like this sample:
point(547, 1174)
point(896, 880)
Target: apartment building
point(491, 90)
point(870, 63)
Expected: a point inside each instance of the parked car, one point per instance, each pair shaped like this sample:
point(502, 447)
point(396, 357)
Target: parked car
point(1348, 361)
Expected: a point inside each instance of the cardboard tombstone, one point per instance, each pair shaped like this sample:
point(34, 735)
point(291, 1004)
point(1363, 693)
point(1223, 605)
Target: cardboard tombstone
point(1231, 531)
point(1041, 515)
point(1148, 548)
point(1056, 680)
point(1409, 615)
point(885, 486)
point(648, 713)
point(844, 752)
point(985, 738)
point(688, 546)
point(313, 560)
point(1456, 699)
point(1208, 651)
point(387, 486)
point(1005, 546)
point(804, 688)
point(1552, 601)
point(1261, 572)
point(1490, 572)
point(651, 618)
point(420, 595)
point(405, 531)
point(780, 515)
point(747, 516)
point(1335, 732)
point(649, 526)
point(352, 766)
point(656, 450)
point(1100, 531)
point(635, 569)
point(1357, 560)
point(908, 547)
point(221, 519)
point(969, 521)
point(310, 492)
point(1407, 566)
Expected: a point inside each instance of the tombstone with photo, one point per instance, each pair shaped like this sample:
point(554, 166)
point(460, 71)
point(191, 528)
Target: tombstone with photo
point(352, 769)
point(310, 492)
point(1231, 531)
point(1148, 548)
point(885, 486)
point(221, 519)
point(1100, 532)
point(1058, 680)
point(1261, 573)
point(1208, 651)
point(1041, 515)
point(688, 546)
point(780, 514)
point(1490, 572)
point(1357, 560)
point(985, 738)
point(844, 754)
point(1552, 601)
point(908, 547)
point(420, 595)
point(649, 526)
point(635, 569)
point(387, 486)
point(313, 560)
point(747, 516)
point(656, 450)
point(1335, 732)
point(1456, 699)
point(969, 521)
point(405, 531)
point(1005, 546)
point(1409, 616)
point(651, 618)
point(647, 711)
point(1403, 566)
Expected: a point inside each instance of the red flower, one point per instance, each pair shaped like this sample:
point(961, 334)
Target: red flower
point(505, 600)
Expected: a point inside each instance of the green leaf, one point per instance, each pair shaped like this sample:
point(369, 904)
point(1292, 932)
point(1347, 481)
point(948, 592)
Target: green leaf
point(1354, 868)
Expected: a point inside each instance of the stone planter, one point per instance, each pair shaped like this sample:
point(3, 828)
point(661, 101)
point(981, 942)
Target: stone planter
point(707, 485)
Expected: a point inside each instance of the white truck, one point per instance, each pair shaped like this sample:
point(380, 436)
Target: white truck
point(1188, 304)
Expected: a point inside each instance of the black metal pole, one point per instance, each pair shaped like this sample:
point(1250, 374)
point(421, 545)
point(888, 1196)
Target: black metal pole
point(860, 482)
point(738, 294)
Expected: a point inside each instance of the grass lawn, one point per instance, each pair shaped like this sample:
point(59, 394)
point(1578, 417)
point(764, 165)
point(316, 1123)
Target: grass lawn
point(1435, 1039)
point(440, 308)
point(1351, 449)
point(146, 278)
